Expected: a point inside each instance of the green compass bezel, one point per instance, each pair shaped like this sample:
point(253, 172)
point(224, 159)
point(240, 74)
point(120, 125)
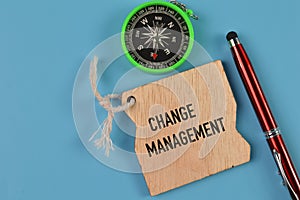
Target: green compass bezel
point(185, 17)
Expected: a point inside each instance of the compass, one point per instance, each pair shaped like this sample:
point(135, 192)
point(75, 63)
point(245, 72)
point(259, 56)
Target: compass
point(158, 36)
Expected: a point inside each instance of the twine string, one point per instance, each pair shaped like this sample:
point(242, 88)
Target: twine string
point(105, 101)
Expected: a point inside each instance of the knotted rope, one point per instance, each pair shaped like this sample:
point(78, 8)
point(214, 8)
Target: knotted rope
point(106, 127)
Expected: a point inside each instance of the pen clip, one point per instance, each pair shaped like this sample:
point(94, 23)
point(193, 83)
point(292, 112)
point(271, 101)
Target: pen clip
point(286, 182)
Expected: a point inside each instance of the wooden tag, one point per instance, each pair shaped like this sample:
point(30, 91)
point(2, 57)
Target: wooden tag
point(185, 128)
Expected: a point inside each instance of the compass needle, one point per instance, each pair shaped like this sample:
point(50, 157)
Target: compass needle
point(154, 43)
point(162, 36)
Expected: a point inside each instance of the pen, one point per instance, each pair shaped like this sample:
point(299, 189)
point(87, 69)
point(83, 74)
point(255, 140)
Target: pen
point(265, 116)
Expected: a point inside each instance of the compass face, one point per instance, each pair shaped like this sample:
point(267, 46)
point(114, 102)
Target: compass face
point(157, 37)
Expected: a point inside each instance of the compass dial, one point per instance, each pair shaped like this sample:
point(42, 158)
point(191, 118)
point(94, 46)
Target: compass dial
point(157, 36)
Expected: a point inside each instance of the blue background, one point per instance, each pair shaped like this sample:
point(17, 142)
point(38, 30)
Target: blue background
point(42, 44)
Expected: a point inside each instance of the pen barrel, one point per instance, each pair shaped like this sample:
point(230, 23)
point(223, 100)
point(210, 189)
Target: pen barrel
point(285, 165)
point(265, 116)
point(253, 88)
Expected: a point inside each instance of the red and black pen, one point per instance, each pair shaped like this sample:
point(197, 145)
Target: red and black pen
point(265, 116)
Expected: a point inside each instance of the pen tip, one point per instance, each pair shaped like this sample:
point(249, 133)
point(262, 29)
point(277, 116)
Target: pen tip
point(231, 35)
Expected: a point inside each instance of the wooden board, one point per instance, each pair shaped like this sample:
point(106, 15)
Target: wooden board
point(186, 128)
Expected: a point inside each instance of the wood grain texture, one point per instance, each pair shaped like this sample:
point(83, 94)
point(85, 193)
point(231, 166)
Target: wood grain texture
point(207, 89)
